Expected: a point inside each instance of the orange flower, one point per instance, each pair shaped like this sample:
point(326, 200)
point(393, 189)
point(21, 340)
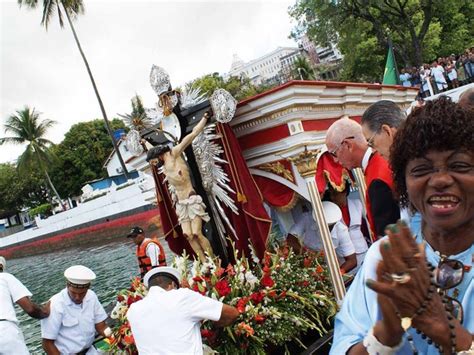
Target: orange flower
point(245, 329)
point(319, 269)
point(128, 339)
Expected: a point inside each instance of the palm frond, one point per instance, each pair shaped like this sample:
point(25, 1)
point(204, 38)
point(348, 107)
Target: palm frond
point(49, 7)
point(27, 160)
point(12, 140)
point(29, 3)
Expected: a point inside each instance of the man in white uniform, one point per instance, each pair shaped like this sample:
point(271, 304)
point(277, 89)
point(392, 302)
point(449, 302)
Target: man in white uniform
point(307, 231)
point(167, 321)
point(76, 315)
point(13, 291)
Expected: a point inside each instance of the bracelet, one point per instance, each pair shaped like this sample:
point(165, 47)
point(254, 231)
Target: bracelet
point(374, 347)
point(467, 352)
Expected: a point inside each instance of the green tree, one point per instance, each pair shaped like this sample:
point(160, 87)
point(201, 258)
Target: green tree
point(302, 69)
point(73, 8)
point(137, 119)
point(239, 88)
point(81, 156)
point(26, 127)
point(420, 30)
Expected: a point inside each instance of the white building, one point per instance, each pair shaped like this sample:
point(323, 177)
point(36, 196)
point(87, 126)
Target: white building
point(261, 69)
point(112, 164)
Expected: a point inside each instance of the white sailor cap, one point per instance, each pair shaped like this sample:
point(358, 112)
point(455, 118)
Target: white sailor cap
point(332, 212)
point(3, 262)
point(171, 272)
point(79, 276)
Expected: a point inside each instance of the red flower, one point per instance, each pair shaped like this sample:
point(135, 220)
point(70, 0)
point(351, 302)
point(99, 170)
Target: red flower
point(267, 281)
point(120, 298)
point(257, 297)
point(271, 293)
point(307, 262)
point(206, 333)
point(197, 278)
point(259, 318)
point(266, 270)
point(222, 288)
point(241, 304)
point(319, 269)
point(282, 295)
point(128, 339)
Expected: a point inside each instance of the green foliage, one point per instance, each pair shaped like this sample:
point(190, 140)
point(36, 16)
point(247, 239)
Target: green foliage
point(43, 210)
point(137, 119)
point(240, 88)
point(301, 69)
point(81, 155)
point(420, 31)
point(20, 190)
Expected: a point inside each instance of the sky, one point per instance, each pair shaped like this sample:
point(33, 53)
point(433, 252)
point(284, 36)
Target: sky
point(121, 40)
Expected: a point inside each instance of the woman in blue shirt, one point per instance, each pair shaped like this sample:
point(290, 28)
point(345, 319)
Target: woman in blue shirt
point(397, 304)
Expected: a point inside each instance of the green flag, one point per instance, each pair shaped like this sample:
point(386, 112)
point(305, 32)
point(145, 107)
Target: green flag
point(390, 75)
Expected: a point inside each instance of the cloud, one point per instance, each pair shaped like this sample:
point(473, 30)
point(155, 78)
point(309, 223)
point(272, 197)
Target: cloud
point(121, 41)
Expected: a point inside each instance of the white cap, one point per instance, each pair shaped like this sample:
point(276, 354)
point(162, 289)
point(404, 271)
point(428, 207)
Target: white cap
point(165, 270)
point(3, 262)
point(332, 212)
point(79, 275)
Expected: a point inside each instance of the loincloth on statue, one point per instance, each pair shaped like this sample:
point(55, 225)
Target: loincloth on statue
point(190, 208)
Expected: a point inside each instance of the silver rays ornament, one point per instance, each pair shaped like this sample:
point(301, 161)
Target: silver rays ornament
point(159, 80)
point(214, 179)
point(223, 105)
point(191, 97)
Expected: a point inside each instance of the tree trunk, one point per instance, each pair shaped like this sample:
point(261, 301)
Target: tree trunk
point(54, 189)
point(96, 91)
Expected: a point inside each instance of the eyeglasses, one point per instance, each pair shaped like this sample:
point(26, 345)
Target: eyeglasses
point(370, 141)
point(334, 151)
point(449, 274)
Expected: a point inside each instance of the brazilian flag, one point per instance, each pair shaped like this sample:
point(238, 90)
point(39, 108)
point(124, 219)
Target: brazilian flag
point(390, 75)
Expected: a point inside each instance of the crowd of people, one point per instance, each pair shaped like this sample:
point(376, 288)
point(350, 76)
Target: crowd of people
point(442, 74)
point(413, 291)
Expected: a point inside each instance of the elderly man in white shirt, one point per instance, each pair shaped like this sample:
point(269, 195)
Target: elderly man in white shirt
point(167, 321)
point(76, 315)
point(13, 291)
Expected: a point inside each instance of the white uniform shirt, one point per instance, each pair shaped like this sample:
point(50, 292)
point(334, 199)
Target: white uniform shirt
point(70, 325)
point(342, 241)
point(11, 290)
point(354, 204)
point(307, 231)
point(168, 322)
point(153, 252)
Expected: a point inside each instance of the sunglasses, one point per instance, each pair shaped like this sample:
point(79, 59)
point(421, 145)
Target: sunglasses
point(334, 151)
point(449, 274)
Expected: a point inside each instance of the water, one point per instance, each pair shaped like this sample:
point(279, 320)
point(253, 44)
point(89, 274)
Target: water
point(114, 264)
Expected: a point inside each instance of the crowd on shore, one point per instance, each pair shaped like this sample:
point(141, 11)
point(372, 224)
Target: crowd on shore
point(442, 74)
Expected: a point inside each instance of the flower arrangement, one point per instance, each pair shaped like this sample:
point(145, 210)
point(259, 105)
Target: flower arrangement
point(122, 340)
point(279, 299)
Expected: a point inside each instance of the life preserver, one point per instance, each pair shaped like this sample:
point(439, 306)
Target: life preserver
point(144, 262)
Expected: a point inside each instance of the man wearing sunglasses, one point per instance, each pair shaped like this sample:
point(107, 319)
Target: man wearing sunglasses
point(348, 146)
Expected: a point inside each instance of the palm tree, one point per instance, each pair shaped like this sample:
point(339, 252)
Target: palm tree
point(71, 9)
point(26, 127)
point(302, 69)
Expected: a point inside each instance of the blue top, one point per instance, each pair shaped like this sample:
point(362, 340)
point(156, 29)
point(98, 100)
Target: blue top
point(360, 310)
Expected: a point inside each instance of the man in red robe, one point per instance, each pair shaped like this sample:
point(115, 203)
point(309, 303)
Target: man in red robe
point(348, 146)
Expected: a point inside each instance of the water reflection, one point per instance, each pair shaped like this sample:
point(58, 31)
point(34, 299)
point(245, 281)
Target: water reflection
point(114, 264)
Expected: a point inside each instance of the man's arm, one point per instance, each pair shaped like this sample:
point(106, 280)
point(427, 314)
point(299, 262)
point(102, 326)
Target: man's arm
point(101, 327)
point(228, 316)
point(34, 310)
point(188, 139)
point(49, 347)
point(384, 208)
point(349, 263)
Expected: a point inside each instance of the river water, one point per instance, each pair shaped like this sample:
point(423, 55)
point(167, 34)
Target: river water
point(115, 265)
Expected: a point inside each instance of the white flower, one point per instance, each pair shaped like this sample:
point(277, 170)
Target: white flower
point(251, 278)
